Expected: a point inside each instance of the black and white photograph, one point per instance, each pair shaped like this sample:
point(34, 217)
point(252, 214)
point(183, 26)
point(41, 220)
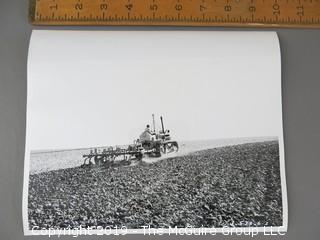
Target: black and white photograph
point(161, 130)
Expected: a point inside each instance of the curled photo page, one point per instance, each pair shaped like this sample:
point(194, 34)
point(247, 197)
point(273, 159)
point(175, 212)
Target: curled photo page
point(154, 132)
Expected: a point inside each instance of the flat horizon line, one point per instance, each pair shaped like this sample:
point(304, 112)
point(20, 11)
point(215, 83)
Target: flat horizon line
point(38, 151)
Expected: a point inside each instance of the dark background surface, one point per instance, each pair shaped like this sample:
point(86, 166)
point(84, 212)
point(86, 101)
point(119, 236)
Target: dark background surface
point(300, 51)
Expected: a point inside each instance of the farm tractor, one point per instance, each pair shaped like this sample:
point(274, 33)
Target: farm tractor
point(149, 144)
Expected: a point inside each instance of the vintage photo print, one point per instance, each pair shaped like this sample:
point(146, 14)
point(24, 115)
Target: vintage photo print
point(141, 131)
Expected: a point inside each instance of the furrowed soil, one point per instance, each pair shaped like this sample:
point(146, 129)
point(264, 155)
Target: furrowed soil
point(228, 186)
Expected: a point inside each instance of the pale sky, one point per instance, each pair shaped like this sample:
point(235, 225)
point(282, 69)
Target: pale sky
point(100, 88)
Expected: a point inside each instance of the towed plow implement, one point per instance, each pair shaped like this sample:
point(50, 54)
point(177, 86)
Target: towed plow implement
point(155, 146)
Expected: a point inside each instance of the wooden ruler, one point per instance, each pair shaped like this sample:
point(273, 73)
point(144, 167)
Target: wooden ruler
point(257, 13)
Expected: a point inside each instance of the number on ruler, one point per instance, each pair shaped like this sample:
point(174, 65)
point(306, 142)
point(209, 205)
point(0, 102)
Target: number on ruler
point(276, 9)
point(78, 6)
point(129, 6)
point(202, 8)
point(300, 10)
point(178, 7)
point(252, 9)
point(103, 6)
point(53, 7)
point(227, 8)
point(154, 7)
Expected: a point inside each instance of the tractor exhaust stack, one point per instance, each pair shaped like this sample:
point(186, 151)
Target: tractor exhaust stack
point(154, 125)
point(162, 124)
